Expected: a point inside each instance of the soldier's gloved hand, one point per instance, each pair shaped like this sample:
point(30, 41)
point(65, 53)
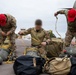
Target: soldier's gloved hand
point(3, 33)
point(43, 43)
point(21, 33)
point(8, 33)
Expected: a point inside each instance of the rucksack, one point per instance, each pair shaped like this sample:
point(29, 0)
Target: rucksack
point(28, 65)
point(58, 66)
point(54, 48)
point(51, 34)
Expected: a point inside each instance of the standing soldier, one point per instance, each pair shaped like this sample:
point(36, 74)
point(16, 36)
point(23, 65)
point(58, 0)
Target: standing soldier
point(71, 21)
point(7, 28)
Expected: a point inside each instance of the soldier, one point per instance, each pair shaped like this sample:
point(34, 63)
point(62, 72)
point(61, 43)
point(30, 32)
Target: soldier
point(71, 21)
point(7, 28)
point(38, 34)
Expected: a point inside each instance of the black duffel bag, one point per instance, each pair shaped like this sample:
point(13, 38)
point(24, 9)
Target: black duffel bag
point(24, 65)
point(73, 67)
point(44, 74)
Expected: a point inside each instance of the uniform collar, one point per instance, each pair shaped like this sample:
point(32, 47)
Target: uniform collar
point(35, 29)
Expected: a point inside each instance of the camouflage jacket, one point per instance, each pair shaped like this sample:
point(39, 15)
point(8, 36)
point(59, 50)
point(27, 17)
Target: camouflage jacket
point(37, 37)
point(10, 25)
point(71, 25)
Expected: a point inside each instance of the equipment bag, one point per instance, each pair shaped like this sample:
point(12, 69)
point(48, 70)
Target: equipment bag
point(44, 74)
point(58, 66)
point(31, 51)
point(28, 65)
point(71, 50)
point(54, 48)
point(4, 54)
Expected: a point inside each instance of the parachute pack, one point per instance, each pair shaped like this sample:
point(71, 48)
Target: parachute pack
point(54, 49)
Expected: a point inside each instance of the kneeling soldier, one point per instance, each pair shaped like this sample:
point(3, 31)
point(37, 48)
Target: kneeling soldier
point(38, 35)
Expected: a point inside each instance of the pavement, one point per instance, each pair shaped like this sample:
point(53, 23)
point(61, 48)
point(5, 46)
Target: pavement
point(7, 69)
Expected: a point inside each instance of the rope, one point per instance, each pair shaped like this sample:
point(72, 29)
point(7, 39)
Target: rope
point(58, 32)
point(56, 27)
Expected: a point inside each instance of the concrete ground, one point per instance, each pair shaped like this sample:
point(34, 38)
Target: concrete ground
point(7, 69)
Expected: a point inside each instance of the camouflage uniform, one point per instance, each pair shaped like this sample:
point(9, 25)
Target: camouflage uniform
point(10, 26)
point(71, 30)
point(37, 37)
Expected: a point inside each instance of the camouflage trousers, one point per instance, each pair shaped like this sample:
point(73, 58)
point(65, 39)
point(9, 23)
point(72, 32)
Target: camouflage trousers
point(41, 51)
point(11, 38)
point(69, 37)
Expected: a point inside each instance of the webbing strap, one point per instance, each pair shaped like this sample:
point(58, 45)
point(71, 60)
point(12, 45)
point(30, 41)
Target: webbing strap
point(36, 40)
